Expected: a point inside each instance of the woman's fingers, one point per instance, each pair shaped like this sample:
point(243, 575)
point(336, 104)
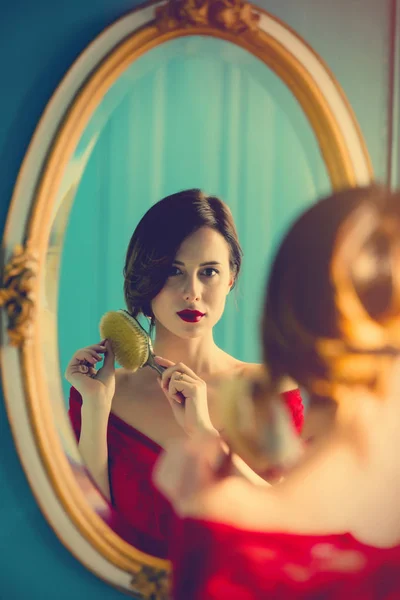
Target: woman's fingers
point(85, 355)
point(96, 351)
point(163, 362)
point(80, 371)
point(181, 386)
point(108, 368)
point(185, 369)
point(174, 398)
point(167, 376)
point(85, 359)
point(98, 347)
point(171, 369)
point(187, 396)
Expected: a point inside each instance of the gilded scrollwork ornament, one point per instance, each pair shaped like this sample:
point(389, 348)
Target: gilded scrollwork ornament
point(17, 294)
point(235, 16)
point(151, 583)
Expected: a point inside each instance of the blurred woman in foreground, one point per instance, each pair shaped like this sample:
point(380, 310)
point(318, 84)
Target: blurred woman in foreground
point(331, 530)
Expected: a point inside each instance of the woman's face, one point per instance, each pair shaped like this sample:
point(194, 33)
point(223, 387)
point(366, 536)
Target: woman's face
point(193, 297)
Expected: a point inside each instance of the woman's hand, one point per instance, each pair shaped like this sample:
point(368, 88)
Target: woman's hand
point(97, 386)
point(190, 467)
point(187, 395)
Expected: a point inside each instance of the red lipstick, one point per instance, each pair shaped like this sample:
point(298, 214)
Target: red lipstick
point(190, 316)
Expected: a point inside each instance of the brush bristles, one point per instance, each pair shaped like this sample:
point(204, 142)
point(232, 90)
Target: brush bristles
point(128, 340)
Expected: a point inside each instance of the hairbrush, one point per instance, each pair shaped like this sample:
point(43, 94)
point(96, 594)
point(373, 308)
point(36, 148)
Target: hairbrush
point(130, 342)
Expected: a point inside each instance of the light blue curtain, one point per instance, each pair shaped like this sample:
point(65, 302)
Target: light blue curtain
point(195, 112)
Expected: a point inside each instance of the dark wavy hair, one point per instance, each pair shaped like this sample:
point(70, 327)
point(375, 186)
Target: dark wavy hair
point(158, 236)
point(305, 300)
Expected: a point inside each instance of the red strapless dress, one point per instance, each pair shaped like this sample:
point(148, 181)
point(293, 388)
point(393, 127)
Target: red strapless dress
point(142, 516)
point(213, 561)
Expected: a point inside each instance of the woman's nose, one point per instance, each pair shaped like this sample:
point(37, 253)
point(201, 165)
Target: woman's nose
point(191, 291)
point(192, 298)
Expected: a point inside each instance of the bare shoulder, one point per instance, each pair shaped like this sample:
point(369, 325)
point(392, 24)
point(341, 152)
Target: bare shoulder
point(287, 385)
point(233, 368)
point(246, 369)
point(258, 369)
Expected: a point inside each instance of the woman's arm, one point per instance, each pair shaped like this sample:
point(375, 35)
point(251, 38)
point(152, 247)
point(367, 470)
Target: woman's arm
point(93, 443)
point(90, 405)
point(242, 469)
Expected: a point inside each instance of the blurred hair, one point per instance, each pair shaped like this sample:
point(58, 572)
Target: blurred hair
point(333, 285)
point(331, 315)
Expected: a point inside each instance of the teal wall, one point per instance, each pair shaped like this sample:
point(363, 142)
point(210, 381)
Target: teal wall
point(38, 42)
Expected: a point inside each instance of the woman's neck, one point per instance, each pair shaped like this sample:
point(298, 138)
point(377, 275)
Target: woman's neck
point(200, 354)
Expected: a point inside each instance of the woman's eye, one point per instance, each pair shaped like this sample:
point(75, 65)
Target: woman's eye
point(210, 272)
point(174, 271)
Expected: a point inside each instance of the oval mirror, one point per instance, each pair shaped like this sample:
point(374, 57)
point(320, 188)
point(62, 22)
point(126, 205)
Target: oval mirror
point(210, 95)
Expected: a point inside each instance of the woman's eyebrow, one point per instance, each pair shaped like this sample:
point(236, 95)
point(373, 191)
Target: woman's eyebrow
point(209, 262)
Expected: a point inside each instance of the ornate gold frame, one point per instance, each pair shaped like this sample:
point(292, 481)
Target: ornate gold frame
point(232, 20)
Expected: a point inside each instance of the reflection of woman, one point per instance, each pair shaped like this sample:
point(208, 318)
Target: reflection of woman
point(182, 261)
point(332, 529)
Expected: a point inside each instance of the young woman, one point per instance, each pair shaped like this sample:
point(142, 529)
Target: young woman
point(331, 530)
point(183, 260)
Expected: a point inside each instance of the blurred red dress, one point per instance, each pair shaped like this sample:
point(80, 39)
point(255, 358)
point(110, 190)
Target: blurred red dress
point(142, 516)
point(213, 561)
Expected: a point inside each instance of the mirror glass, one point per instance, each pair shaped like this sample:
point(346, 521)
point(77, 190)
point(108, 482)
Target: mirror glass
point(195, 112)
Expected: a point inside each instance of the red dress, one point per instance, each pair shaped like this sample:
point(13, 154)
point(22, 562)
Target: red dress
point(213, 561)
point(142, 516)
